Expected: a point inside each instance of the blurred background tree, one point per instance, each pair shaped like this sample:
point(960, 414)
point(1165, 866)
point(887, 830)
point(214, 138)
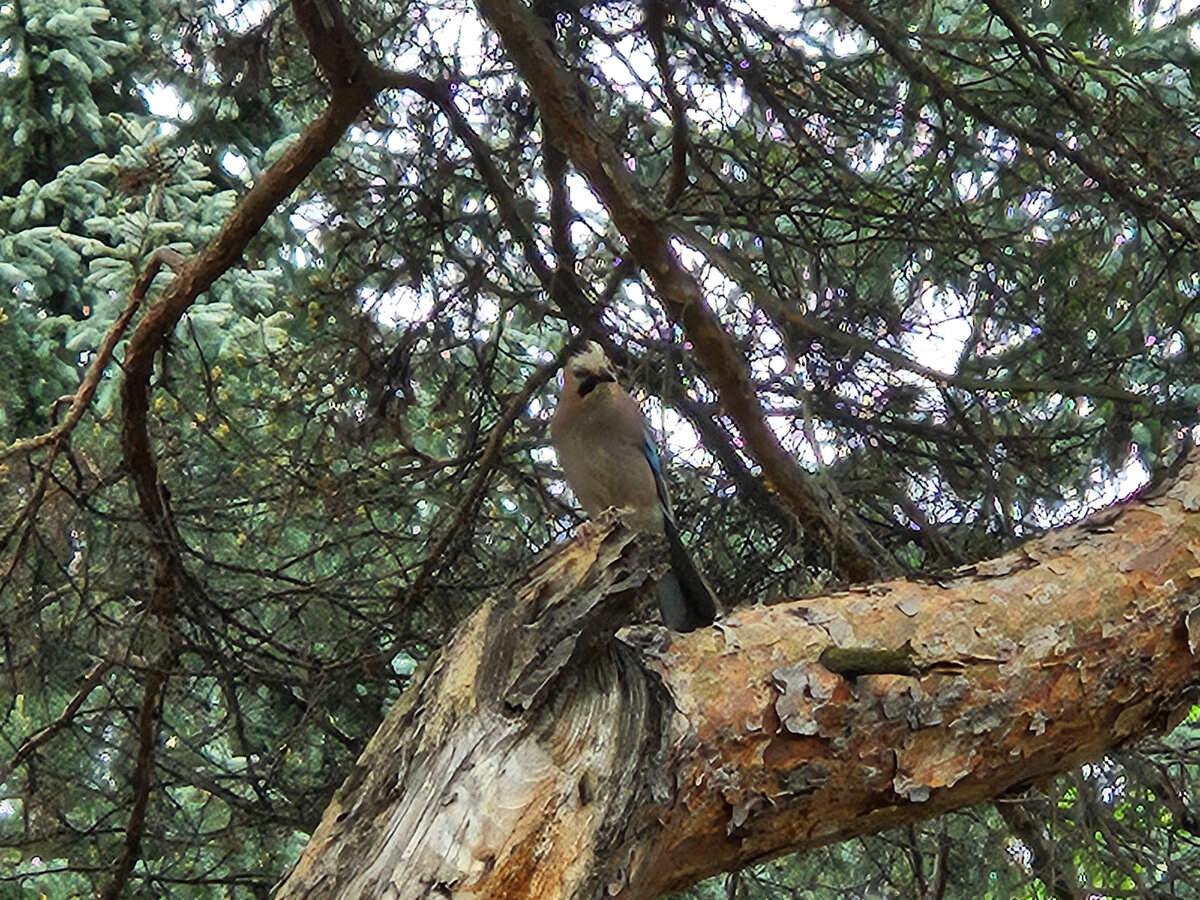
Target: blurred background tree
point(956, 244)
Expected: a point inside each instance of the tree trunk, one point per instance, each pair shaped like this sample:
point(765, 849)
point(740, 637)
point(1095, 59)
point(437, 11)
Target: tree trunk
point(539, 755)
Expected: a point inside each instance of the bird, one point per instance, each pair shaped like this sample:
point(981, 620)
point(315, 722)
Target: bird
point(608, 455)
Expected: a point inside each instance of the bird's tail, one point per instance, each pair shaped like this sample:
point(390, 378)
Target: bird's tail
point(684, 597)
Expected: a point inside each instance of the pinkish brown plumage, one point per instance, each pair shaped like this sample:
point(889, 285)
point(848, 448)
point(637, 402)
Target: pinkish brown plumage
point(608, 457)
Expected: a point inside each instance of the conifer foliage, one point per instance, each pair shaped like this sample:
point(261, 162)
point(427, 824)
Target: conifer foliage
point(282, 288)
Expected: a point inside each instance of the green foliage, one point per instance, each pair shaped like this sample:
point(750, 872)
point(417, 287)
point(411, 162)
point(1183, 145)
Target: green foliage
point(1018, 215)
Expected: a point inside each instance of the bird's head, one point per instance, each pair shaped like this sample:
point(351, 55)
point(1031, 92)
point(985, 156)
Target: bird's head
point(587, 368)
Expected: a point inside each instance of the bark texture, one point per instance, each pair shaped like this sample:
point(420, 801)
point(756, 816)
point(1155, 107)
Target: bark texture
point(510, 769)
point(540, 756)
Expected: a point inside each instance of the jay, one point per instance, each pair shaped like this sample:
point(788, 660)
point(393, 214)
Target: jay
point(609, 459)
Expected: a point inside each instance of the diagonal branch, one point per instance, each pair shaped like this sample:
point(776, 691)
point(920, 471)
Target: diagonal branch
point(345, 66)
point(559, 282)
point(768, 300)
point(559, 98)
point(43, 735)
point(91, 380)
point(656, 14)
point(434, 559)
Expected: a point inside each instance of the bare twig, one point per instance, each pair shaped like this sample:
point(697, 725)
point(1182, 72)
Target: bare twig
point(1041, 848)
point(43, 735)
point(1147, 204)
point(91, 380)
point(147, 734)
point(655, 16)
point(559, 282)
point(487, 463)
point(769, 301)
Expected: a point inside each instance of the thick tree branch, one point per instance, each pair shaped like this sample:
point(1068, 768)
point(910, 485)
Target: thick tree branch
point(566, 289)
point(488, 718)
point(558, 96)
point(497, 776)
point(345, 66)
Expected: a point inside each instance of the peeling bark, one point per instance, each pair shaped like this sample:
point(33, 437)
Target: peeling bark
point(539, 755)
point(511, 767)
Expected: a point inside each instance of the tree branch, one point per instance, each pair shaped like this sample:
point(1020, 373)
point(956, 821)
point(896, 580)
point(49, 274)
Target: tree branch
point(1042, 861)
point(345, 66)
point(435, 558)
point(83, 395)
point(519, 763)
point(656, 14)
point(558, 96)
point(768, 300)
point(1148, 207)
point(147, 734)
point(43, 735)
